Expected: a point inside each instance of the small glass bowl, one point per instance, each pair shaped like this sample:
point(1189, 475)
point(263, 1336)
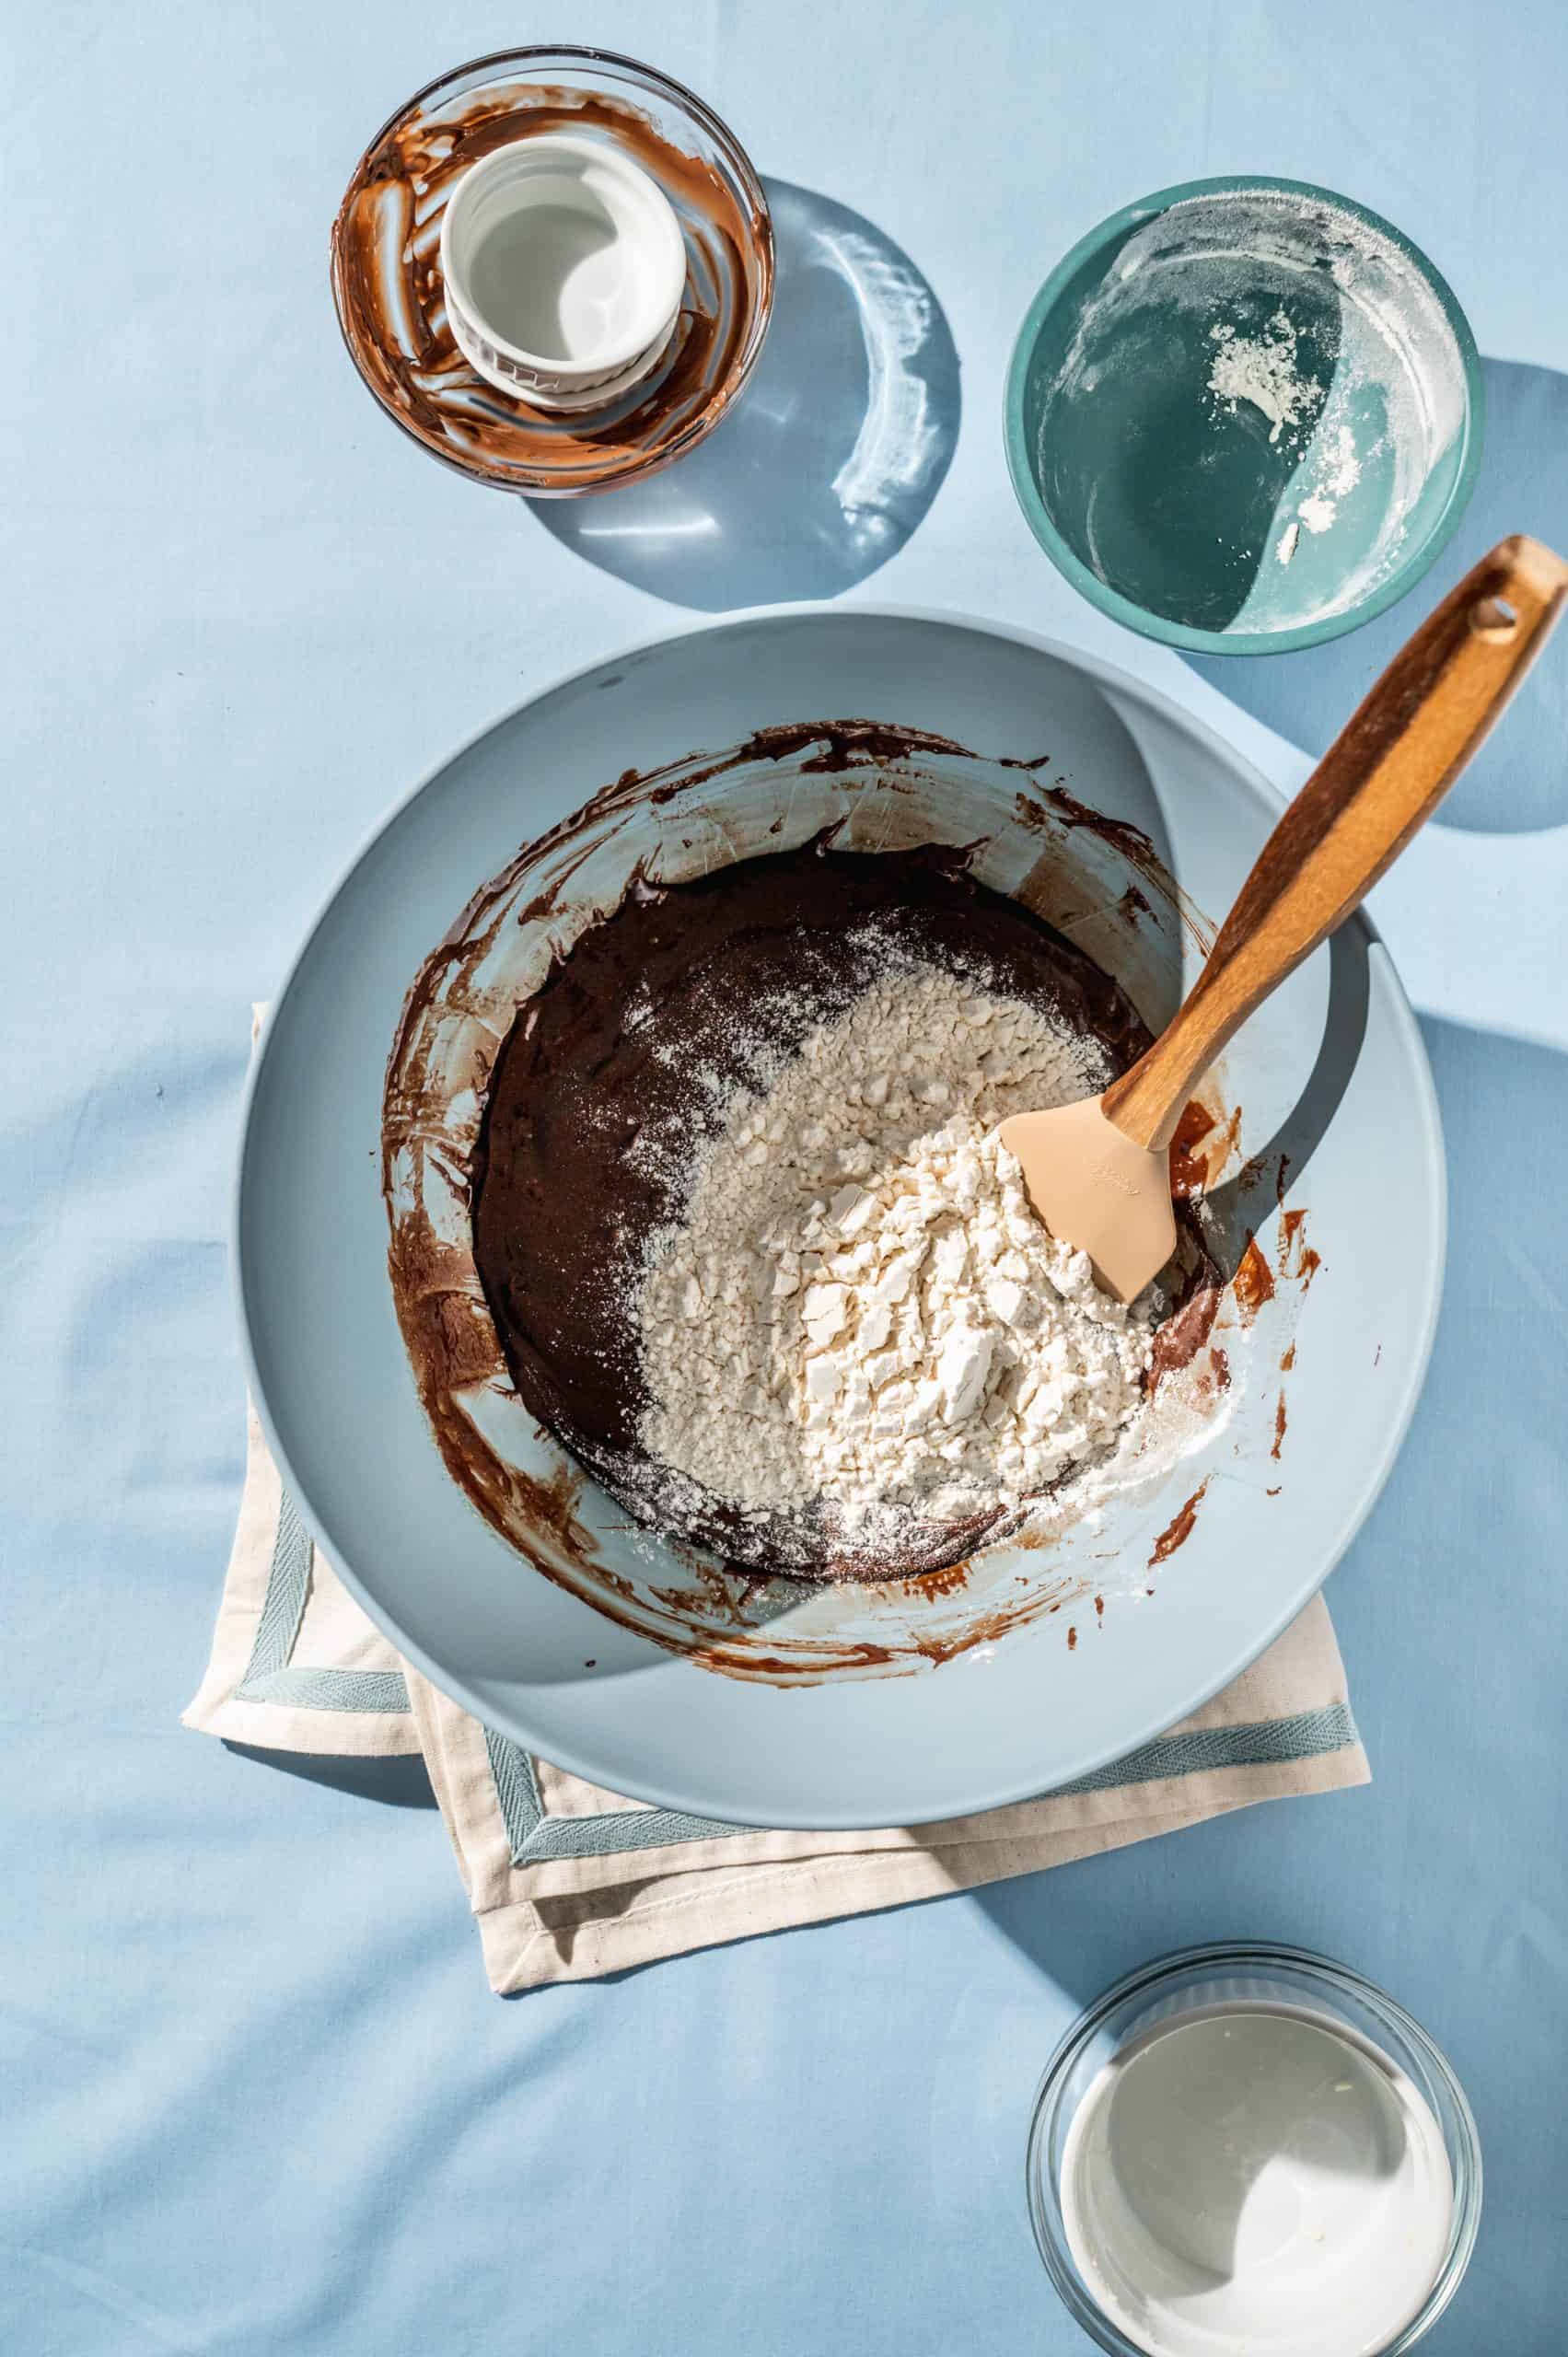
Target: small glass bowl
point(1203, 518)
point(1179, 1984)
point(391, 295)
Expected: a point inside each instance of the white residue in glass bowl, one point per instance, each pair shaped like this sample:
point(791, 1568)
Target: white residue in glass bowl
point(1263, 369)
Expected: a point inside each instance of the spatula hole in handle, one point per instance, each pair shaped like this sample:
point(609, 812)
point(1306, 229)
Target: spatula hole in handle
point(1494, 618)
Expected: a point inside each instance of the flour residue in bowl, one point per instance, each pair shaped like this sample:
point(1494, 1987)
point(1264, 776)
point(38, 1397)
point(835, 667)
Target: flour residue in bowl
point(1259, 375)
point(1332, 474)
point(1263, 369)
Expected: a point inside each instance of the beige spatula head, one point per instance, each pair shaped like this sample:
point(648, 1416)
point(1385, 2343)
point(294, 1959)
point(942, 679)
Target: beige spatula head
point(1098, 1172)
point(1098, 1189)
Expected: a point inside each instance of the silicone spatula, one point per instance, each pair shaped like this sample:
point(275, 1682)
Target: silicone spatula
point(1099, 1171)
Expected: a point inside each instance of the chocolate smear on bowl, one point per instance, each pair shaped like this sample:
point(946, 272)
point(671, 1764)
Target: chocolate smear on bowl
point(1253, 1284)
point(1178, 1529)
point(1188, 1166)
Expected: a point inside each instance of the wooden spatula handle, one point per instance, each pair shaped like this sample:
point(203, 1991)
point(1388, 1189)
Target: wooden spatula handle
point(1381, 778)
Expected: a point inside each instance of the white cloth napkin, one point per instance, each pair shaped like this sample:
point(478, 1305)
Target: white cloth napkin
point(567, 1881)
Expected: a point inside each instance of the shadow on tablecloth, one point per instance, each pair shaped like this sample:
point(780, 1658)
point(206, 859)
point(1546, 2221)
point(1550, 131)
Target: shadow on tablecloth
point(834, 452)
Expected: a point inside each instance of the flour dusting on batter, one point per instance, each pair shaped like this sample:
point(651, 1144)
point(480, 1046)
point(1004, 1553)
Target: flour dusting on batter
point(751, 1245)
point(862, 1306)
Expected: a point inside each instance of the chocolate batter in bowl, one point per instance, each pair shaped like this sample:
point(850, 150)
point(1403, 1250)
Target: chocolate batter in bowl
point(491, 1559)
point(513, 1091)
point(387, 272)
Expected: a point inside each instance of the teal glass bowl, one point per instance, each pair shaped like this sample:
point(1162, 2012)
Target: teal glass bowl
point(1244, 415)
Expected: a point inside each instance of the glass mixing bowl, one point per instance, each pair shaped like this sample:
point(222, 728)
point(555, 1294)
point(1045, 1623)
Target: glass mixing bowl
point(1199, 1979)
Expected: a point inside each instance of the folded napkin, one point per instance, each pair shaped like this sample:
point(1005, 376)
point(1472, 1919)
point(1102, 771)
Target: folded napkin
point(568, 1881)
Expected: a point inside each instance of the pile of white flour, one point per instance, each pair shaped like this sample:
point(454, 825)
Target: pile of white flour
point(1262, 369)
point(861, 1308)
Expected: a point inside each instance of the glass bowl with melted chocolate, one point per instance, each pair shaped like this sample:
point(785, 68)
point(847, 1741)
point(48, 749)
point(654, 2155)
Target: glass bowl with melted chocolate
point(387, 282)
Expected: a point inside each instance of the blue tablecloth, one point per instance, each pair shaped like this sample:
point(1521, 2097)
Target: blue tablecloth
point(256, 2097)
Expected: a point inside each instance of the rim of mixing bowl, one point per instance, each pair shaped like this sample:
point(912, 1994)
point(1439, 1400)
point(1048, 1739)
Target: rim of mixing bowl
point(1406, 574)
point(1461, 2140)
point(474, 74)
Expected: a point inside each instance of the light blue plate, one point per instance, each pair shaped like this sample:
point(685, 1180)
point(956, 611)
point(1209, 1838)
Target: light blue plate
point(1331, 1075)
